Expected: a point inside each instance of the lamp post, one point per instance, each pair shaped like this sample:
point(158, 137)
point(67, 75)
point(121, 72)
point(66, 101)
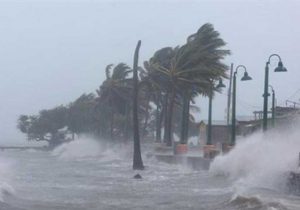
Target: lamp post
point(220, 85)
point(279, 68)
point(273, 106)
point(233, 119)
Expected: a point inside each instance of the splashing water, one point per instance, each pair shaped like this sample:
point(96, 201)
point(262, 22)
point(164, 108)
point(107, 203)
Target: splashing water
point(262, 160)
point(85, 148)
point(5, 175)
point(80, 148)
point(243, 203)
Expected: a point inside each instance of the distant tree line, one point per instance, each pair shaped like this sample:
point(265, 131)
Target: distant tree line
point(168, 82)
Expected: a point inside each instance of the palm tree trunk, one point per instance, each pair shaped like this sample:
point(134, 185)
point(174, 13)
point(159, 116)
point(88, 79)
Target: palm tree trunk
point(137, 157)
point(126, 126)
point(147, 116)
point(158, 123)
point(169, 117)
point(165, 113)
point(112, 126)
point(185, 118)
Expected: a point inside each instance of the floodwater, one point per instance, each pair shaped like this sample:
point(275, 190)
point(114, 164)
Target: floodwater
point(86, 175)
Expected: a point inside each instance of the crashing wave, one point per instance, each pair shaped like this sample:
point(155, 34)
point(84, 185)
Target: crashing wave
point(261, 160)
point(81, 148)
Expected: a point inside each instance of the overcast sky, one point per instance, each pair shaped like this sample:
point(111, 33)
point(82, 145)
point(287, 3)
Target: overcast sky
point(53, 51)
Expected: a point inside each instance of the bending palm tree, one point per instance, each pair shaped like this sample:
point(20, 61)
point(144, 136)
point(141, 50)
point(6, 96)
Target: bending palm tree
point(186, 71)
point(114, 93)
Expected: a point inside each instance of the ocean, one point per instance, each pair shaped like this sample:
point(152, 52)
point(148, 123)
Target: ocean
point(89, 175)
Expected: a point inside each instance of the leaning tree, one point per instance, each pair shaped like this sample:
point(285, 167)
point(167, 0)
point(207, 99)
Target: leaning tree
point(113, 100)
point(187, 71)
point(49, 125)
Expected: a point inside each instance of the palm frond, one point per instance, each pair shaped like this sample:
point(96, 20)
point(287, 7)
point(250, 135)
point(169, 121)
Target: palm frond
point(107, 71)
point(120, 71)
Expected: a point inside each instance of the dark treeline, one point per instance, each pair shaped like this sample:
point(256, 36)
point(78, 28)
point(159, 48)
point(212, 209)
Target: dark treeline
point(168, 83)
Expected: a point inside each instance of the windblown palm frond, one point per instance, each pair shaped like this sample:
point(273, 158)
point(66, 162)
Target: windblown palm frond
point(189, 70)
point(107, 71)
point(120, 71)
point(115, 91)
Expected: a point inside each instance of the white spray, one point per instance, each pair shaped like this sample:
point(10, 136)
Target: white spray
point(6, 174)
point(80, 148)
point(87, 147)
point(261, 160)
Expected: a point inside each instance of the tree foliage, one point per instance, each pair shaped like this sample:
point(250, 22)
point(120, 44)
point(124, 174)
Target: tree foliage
point(168, 81)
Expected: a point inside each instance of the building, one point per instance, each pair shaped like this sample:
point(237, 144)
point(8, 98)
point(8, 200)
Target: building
point(220, 132)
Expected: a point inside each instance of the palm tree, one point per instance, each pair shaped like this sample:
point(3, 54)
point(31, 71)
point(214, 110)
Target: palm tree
point(114, 93)
point(186, 71)
point(160, 85)
point(137, 157)
point(153, 93)
point(210, 68)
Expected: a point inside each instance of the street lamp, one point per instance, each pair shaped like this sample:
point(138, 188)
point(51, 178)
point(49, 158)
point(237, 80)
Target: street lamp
point(220, 85)
point(279, 68)
point(273, 106)
point(233, 119)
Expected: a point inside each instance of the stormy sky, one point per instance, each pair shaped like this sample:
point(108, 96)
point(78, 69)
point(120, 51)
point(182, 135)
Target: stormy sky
point(53, 51)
